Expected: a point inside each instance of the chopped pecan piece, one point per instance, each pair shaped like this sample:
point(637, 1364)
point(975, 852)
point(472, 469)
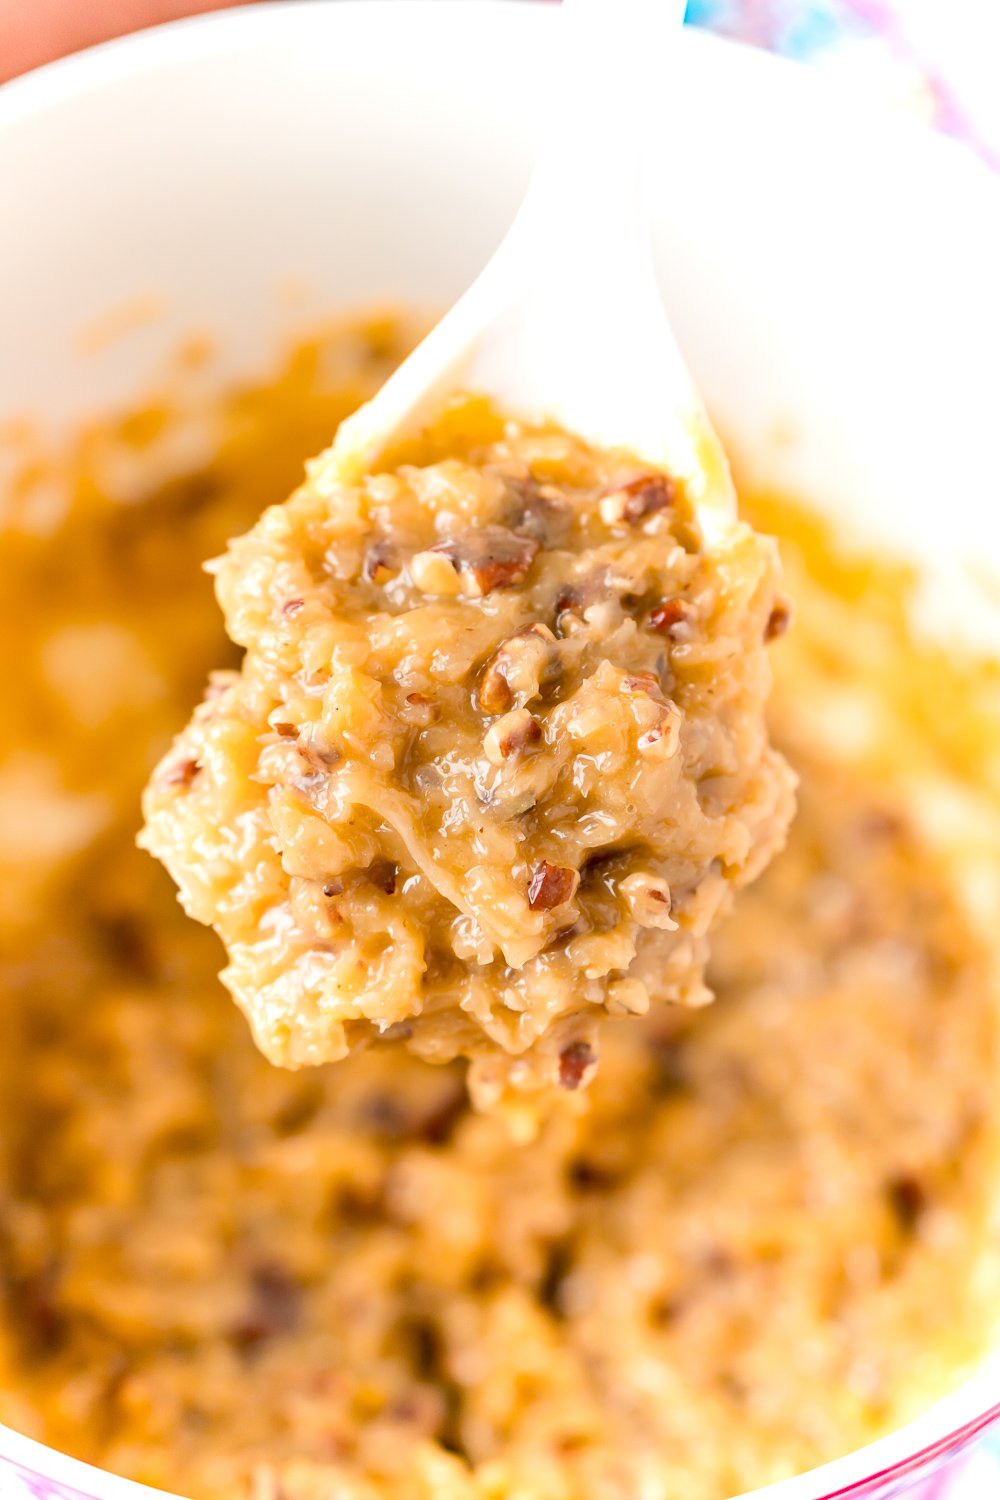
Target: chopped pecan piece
point(537, 510)
point(381, 563)
point(182, 772)
point(575, 598)
point(881, 824)
point(317, 753)
point(274, 1307)
point(38, 1305)
point(648, 898)
point(778, 620)
point(669, 617)
point(512, 735)
point(437, 1126)
point(420, 710)
point(658, 720)
point(551, 886)
point(575, 1062)
point(485, 558)
point(384, 875)
point(908, 1200)
point(644, 682)
point(637, 498)
point(567, 609)
point(517, 669)
point(662, 737)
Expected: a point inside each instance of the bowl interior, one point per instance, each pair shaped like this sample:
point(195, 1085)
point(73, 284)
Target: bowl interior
point(832, 276)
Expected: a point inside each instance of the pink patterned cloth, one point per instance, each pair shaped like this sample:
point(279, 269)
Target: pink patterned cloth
point(938, 59)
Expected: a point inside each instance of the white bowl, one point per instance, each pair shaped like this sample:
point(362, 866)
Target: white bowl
point(832, 275)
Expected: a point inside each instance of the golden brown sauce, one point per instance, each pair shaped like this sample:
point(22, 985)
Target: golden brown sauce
point(764, 1241)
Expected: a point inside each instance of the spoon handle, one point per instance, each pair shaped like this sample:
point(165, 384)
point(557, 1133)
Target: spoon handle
point(611, 72)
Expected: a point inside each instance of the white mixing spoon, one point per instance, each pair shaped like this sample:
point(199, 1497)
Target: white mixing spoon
point(566, 322)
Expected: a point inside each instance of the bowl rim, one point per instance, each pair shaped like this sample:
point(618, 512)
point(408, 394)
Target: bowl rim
point(949, 1424)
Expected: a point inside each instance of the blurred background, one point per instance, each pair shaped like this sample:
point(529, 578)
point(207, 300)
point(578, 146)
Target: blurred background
point(936, 59)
